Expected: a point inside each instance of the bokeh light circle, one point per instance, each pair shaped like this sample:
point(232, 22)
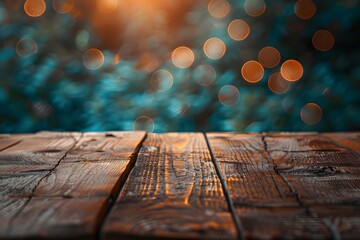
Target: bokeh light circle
point(162, 80)
point(106, 6)
point(204, 75)
point(229, 95)
point(269, 57)
point(219, 8)
point(311, 113)
point(305, 9)
point(34, 8)
point(277, 84)
point(63, 6)
point(93, 59)
point(238, 30)
point(323, 40)
point(254, 8)
point(252, 71)
point(214, 48)
point(26, 47)
point(182, 57)
point(144, 123)
point(291, 70)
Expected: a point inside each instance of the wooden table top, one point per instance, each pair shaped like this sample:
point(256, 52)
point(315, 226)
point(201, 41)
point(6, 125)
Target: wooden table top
point(179, 185)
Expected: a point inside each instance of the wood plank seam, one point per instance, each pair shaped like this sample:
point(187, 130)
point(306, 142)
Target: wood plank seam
point(332, 228)
point(237, 221)
point(37, 184)
point(112, 197)
point(11, 145)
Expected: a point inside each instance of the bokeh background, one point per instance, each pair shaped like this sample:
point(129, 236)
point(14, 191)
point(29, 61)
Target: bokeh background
point(179, 65)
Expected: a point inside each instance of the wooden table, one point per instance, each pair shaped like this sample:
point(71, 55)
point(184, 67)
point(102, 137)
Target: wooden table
point(180, 185)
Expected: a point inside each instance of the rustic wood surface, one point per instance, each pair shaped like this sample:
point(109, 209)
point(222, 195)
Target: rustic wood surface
point(133, 185)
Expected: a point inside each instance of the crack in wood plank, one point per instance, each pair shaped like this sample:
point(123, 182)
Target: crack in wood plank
point(236, 219)
point(332, 228)
point(118, 186)
point(13, 218)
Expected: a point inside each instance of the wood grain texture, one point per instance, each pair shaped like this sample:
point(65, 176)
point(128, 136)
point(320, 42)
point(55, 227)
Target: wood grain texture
point(324, 174)
point(172, 192)
point(349, 140)
point(249, 174)
point(264, 202)
point(69, 199)
point(22, 166)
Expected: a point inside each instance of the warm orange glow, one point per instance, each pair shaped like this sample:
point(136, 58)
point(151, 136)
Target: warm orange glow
point(148, 62)
point(311, 113)
point(238, 30)
point(34, 8)
point(63, 6)
point(182, 57)
point(93, 59)
point(305, 9)
point(26, 47)
point(214, 48)
point(229, 95)
point(144, 123)
point(106, 6)
point(269, 57)
point(117, 59)
point(323, 40)
point(162, 80)
point(219, 8)
point(252, 71)
point(204, 75)
point(291, 70)
point(277, 84)
point(254, 8)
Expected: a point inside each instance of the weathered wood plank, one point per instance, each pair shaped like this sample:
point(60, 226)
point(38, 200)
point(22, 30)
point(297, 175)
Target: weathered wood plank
point(350, 140)
point(172, 192)
point(264, 202)
point(22, 166)
point(281, 223)
point(346, 219)
point(72, 199)
point(300, 142)
point(249, 174)
point(320, 177)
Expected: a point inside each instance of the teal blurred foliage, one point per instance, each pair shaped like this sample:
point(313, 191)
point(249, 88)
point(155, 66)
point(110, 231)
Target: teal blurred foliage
point(53, 90)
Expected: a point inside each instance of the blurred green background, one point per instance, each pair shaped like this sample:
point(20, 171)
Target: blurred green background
point(88, 65)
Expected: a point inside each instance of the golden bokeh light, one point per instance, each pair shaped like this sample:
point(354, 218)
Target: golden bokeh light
point(305, 9)
point(214, 48)
point(26, 47)
point(238, 30)
point(204, 75)
point(252, 71)
point(93, 59)
point(219, 8)
point(34, 8)
point(323, 40)
point(106, 6)
point(311, 113)
point(162, 80)
point(182, 57)
point(63, 6)
point(229, 95)
point(291, 70)
point(144, 123)
point(277, 84)
point(254, 8)
point(269, 57)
